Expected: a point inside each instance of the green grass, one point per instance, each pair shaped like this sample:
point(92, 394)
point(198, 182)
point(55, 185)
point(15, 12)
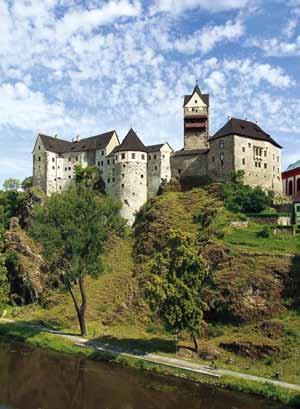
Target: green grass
point(247, 238)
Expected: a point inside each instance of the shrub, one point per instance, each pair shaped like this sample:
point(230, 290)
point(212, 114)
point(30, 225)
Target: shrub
point(264, 233)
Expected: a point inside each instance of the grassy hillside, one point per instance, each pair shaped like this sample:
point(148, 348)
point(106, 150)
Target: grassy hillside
point(252, 293)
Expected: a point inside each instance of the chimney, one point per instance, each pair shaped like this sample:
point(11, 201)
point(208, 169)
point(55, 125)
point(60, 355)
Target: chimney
point(229, 117)
point(77, 139)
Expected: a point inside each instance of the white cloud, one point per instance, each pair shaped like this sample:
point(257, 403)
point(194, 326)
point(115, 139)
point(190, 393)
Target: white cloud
point(87, 20)
point(208, 37)
point(276, 47)
point(178, 6)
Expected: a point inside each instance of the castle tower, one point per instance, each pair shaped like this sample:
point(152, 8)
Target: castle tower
point(128, 181)
point(196, 120)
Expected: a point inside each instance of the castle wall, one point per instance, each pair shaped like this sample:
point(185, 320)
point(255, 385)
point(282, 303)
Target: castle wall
point(220, 159)
point(183, 165)
point(196, 138)
point(125, 178)
point(158, 169)
point(40, 165)
point(261, 162)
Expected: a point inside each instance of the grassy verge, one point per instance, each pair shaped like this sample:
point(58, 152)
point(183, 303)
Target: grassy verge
point(36, 338)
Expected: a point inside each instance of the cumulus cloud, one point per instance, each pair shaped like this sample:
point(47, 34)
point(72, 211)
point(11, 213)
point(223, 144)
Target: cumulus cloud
point(277, 47)
point(178, 6)
point(206, 39)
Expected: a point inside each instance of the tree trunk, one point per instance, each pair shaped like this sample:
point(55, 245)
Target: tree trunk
point(196, 343)
point(82, 308)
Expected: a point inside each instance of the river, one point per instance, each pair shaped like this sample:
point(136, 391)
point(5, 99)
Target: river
point(38, 379)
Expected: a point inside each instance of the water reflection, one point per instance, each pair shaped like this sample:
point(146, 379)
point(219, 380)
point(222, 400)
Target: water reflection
point(35, 379)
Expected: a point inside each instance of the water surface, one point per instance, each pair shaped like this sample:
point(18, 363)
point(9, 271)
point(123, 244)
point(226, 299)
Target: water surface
point(38, 379)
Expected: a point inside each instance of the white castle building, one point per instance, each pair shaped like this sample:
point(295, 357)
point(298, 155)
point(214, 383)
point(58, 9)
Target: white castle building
point(133, 172)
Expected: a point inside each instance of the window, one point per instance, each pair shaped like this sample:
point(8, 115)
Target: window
point(265, 165)
point(123, 175)
point(149, 157)
point(114, 162)
point(155, 168)
point(133, 156)
point(143, 156)
point(102, 153)
point(113, 179)
point(265, 154)
point(77, 158)
point(124, 166)
point(69, 167)
point(123, 156)
point(113, 170)
point(244, 149)
point(53, 159)
point(123, 186)
point(298, 185)
point(102, 163)
point(249, 144)
point(222, 156)
point(244, 161)
point(196, 101)
point(213, 159)
point(290, 188)
point(221, 145)
point(39, 148)
point(39, 158)
point(69, 159)
point(259, 164)
point(98, 163)
point(69, 176)
point(154, 157)
point(53, 167)
point(108, 161)
point(142, 176)
point(108, 180)
point(66, 168)
point(277, 158)
point(116, 157)
point(179, 171)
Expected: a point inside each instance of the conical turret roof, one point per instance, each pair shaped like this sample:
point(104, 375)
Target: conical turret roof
point(131, 142)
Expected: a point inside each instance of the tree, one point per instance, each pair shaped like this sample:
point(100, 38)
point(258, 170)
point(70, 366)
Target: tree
point(73, 228)
point(27, 183)
point(11, 184)
point(174, 288)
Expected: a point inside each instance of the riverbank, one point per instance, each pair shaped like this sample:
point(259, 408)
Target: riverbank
point(38, 337)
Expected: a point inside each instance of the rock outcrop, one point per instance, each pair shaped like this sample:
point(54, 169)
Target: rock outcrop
point(27, 270)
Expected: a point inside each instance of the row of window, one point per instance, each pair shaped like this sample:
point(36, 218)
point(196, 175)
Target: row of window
point(113, 179)
point(257, 151)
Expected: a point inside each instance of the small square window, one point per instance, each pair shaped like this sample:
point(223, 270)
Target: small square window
point(123, 186)
point(53, 167)
point(133, 156)
point(113, 179)
point(265, 165)
point(69, 159)
point(124, 166)
point(123, 156)
point(249, 144)
point(244, 161)
point(143, 156)
point(244, 149)
point(108, 161)
point(149, 157)
point(142, 176)
point(212, 158)
point(69, 176)
point(53, 159)
point(108, 180)
point(155, 167)
point(98, 163)
point(102, 163)
point(39, 158)
point(102, 153)
point(154, 157)
point(179, 171)
point(221, 144)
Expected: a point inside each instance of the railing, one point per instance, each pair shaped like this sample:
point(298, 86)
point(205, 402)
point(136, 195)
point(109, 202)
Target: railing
point(196, 111)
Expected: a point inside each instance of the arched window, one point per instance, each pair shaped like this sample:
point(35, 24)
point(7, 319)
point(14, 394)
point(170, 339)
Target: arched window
point(298, 185)
point(291, 188)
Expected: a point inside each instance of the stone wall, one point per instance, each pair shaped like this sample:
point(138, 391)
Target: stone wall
point(126, 178)
point(188, 164)
point(220, 159)
point(261, 162)
point(158, 169)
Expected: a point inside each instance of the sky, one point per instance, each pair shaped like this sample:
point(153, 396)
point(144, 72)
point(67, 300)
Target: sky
point(83, 67)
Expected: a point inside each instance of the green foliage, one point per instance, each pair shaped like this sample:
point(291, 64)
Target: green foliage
point(265, 232)
point(11, 184)
point(244, 198)
point(73, 228)
point(175, 285)
point(10, 203)
point(88, 176)
point(27, 183)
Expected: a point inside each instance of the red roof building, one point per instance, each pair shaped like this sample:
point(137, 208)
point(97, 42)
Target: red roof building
point(291, 181)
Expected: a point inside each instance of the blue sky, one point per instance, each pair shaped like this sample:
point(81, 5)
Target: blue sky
point(74, 67)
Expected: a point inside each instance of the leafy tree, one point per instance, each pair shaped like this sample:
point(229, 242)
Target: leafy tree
point(174, 288)
point(27, 183)
point(89, 177)
point(11, 184)
point(11, 201)
point(239, 197)
point(73, 228)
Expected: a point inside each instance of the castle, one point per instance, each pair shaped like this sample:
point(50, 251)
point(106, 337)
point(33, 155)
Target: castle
point(133, 172)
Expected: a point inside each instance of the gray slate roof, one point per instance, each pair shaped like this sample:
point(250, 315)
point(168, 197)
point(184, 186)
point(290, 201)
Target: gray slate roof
point(131, 142)
point(184, 152)
point(61, 146)
point(244, 128)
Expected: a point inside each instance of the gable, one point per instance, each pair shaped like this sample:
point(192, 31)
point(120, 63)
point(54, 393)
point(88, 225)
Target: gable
point(195, 101)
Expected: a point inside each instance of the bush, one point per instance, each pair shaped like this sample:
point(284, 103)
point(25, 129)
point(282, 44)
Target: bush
point(264, 233)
